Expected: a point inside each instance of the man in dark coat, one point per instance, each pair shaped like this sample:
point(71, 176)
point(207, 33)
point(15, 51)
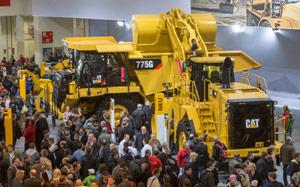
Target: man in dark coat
point(144, 134)
point(148, 115)
point(203, 157)
point(126, 128)
point(186, 177)
point(41, 127)
point(287, 152)
point(294, 166)
point(139, 117)
point(272, 180)
point(207, 178)
point(32, 181)
point(12, 170)
point(7, 84)
point(88, 161)
point(262, 167)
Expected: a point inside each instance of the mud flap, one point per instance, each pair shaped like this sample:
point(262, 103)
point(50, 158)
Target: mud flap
point(226, 8)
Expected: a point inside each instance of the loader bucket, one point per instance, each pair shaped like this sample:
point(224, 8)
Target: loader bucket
point(226, 8)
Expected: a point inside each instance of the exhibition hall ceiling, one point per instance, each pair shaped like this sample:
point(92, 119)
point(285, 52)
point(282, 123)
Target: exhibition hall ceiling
point(278, 14)
point(105, 9)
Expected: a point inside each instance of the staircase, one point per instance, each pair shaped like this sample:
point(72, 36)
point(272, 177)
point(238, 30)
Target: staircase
point(206, 119)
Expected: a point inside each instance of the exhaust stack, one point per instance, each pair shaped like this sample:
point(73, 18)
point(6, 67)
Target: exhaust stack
point(226, 74)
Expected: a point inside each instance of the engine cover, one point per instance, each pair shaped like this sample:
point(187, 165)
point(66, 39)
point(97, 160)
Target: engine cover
point(251, 123)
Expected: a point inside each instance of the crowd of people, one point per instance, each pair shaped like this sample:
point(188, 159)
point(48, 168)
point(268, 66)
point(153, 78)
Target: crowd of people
point(87, 151)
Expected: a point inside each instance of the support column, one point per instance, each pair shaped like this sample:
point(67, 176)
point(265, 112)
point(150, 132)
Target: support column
point(86, 27)
point(74, 27)
point(79, 27)
point(19, 35)
point(37, 40)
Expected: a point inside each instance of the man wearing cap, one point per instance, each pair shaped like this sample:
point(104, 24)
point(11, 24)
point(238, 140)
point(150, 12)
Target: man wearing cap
point(287, 152)
point(90, 178)
point(235, 161)
point(294, 166)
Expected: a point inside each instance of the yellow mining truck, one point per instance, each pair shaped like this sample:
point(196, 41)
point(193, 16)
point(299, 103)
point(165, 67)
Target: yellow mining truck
point(173, 58)
point(274, 13)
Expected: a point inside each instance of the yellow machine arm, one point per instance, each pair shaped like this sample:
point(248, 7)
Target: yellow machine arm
point(184, 35)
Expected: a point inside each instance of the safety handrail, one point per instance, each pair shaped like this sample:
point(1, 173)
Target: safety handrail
point(279, 126)
point(259, 82)
point(188, 88)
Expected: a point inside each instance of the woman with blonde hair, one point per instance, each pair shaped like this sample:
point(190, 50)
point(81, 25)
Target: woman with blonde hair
point(18, 180)
point(192, 162)
point(56, 176)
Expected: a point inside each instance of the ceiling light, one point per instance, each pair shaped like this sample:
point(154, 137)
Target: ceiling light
point(120, 23)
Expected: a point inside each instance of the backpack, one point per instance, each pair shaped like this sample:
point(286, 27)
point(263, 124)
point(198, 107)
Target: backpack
point(290, 169)
point(223, 151)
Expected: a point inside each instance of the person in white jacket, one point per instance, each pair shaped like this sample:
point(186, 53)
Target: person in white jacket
point(146, 147)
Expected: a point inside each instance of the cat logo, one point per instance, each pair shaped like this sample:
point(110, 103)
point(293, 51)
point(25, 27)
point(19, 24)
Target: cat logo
point(252, 123)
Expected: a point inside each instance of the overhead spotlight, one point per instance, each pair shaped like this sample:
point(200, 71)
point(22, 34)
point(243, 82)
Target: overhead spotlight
point(238, 28)
point(120, 23)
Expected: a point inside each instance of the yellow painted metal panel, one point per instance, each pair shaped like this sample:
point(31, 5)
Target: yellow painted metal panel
point(101, 91)
point(114, 48)
point(87, 43)
point(8, 127)
point(242, 61)
point(159, 103)
point(22, 87)
point(209, 60)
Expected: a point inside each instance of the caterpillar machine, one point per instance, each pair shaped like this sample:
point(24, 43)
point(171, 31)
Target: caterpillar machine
point(277, 14)
point(173, 62)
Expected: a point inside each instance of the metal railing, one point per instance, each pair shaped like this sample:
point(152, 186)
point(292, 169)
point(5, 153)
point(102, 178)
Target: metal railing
point(255, 80)
point(185, 88)
point(280, 129)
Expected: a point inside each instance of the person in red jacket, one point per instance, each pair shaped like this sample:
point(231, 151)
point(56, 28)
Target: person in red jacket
point(154, 161)
point(182, 157)
point(29, 133)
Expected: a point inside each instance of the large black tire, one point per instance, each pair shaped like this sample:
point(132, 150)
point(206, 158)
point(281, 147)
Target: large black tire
point(252, 20)
point(125, 100)
point(184, 128)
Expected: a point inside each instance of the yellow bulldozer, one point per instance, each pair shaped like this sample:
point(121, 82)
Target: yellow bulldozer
point(173, 62)
point(274, 13)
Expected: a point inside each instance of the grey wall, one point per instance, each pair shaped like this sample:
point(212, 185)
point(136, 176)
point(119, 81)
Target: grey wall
point(104, 9)
point(278, 52)
point(110, 28)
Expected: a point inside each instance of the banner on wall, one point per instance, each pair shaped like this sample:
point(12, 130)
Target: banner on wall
point(279, 14)
point(47, 37)
point(4, 2)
